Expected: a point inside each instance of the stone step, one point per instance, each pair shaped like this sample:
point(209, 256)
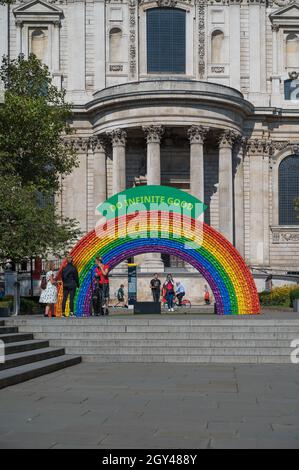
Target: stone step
point(8, 329)
point(127, 328)
point(27, 357)
point(104, 324)
point(156, 358)
point(15, 337)
point(21, 346)
point(188, 343)
point(19, 374)
point(78, 336)
point(178, 351)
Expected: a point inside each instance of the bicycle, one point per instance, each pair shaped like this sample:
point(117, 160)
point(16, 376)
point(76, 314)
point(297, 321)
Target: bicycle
point(184, 303)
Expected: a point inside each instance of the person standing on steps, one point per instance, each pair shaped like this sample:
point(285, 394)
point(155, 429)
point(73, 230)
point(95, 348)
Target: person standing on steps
point(169, 288)
point(49, 290)
point(102, 276)
point(155, 285)
point(70, 281)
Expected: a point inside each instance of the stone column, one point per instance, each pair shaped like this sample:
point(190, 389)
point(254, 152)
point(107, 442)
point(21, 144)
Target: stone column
point(118, 139)
point(239, 195)
point(226, 142)
point(100, 172)
point(196, 136)
point(259, 201)
point(275, 77)
point(151, 262)
point(153, 139)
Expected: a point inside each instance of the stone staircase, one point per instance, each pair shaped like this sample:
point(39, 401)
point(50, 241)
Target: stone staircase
point(173, 339)
point(27, 358)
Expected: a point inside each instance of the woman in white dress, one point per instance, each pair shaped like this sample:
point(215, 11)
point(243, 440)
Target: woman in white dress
point(49, 294)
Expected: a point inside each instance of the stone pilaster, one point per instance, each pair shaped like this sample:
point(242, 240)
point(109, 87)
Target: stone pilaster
point(153, 139)
point(118, 140)
point(196, 135)
point(239, 195)
point(99, 171)
point(151, 262)
point(74, 186)
point(258, 152)
point(226, 142)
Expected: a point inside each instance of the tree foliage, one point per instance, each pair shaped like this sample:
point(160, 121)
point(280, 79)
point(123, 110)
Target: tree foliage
point(33, 158)
point(29, 228)
point(32, 120)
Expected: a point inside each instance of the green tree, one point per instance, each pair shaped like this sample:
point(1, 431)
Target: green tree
point(34, 119)
point(29, 228)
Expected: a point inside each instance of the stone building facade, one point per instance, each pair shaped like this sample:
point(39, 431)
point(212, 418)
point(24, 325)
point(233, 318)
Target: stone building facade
point(202, 95)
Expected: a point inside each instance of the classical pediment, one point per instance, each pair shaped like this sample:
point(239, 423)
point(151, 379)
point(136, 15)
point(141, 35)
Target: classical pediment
point(37, 10)
point(287, 15)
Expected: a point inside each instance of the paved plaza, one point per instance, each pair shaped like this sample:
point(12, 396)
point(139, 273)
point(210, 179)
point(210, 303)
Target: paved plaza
point(154, 406)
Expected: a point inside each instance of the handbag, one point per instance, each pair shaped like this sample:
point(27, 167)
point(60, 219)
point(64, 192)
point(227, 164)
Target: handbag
point(43, 283)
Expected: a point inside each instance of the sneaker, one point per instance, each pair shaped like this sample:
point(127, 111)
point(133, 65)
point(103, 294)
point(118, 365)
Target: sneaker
point(172, 310)
point(169, 309)
point(71, 314)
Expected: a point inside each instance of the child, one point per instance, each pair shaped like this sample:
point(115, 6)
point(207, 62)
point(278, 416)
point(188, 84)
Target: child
point(206, 295)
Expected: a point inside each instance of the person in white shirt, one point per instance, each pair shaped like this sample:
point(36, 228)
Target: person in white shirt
point(180, 292)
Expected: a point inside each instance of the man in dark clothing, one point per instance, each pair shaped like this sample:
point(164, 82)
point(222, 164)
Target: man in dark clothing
point(156, 288)
point(70, 280)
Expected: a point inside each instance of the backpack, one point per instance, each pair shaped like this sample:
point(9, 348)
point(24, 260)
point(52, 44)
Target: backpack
point(43, 282)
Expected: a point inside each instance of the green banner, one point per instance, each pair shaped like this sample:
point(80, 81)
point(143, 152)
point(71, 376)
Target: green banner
point(151, 198)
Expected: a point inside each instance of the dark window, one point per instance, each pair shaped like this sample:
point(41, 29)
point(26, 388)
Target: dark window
point(288, 190)
point(166, 40)
point(291, 89)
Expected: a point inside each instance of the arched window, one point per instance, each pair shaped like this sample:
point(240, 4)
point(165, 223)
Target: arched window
point(217, 47)
point(288, 190)
point(39, 43)
point(166, 40)
point(115, 45)
point(292, 50)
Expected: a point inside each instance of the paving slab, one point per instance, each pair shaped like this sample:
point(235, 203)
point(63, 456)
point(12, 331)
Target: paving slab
point(154, 406)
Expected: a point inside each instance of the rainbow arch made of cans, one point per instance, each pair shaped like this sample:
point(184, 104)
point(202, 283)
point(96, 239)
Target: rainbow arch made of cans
point(172, 233)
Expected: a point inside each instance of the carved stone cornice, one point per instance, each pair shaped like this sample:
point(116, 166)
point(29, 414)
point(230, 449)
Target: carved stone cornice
point(153, 134)
point(227, 138)
point(166, 3)
point(275, 28)
point(79, 144)
point(197, 134)
point(118, 137)
point(285, 234)
point(98, 143)
point(259, 146)
point(238, 2)
point(282, 3)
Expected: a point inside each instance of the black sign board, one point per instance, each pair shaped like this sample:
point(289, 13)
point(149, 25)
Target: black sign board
point(132, 283)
